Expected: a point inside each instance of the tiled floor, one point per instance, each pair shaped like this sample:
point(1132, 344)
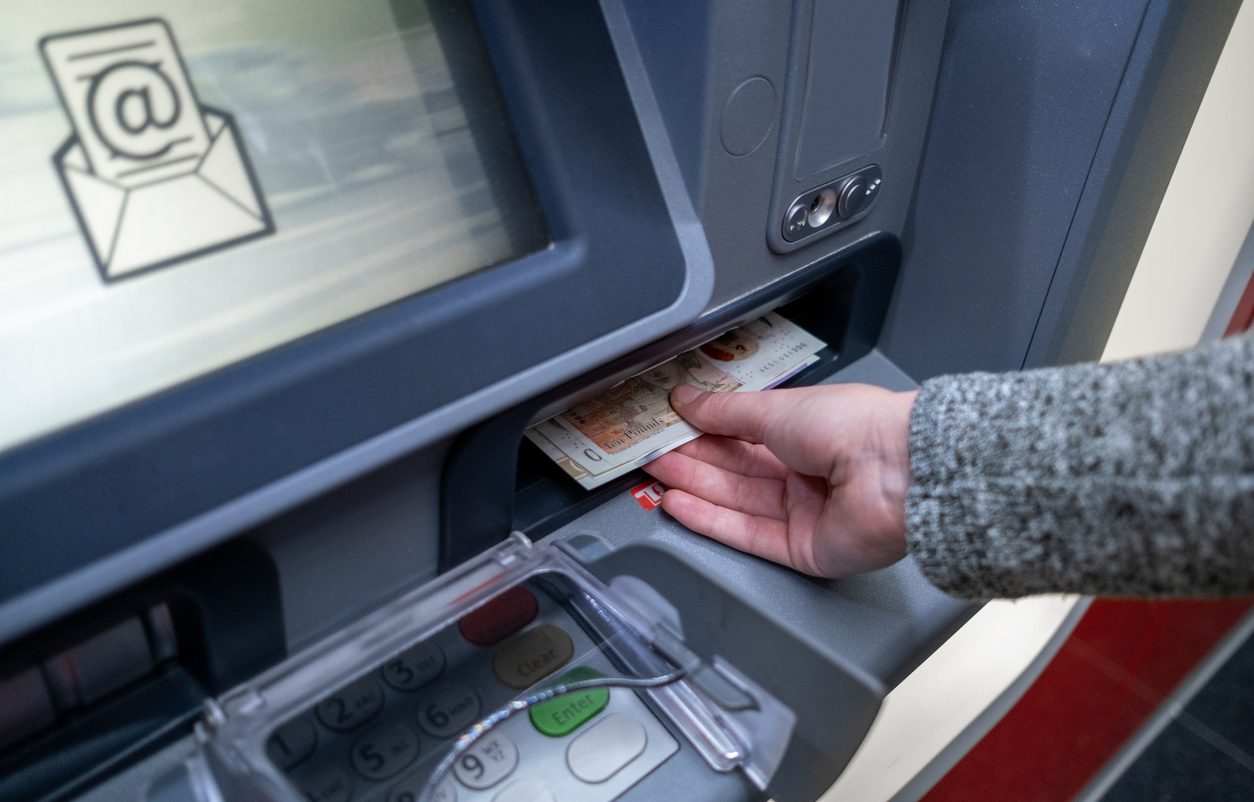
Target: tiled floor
point(1125, 670)
point(1206, 752)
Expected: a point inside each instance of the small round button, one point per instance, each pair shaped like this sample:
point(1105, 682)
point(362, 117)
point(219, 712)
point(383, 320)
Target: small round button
point(796, 222)
point(852, 198)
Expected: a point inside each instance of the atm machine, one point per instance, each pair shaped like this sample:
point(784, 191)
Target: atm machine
point(282, 285)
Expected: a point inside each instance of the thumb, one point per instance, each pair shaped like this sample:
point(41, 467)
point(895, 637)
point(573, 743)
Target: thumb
point(741, 415)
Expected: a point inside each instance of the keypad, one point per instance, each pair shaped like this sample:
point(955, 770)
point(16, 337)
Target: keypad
point(378, 738)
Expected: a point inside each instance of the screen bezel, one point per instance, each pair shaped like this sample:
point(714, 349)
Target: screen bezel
point(101, 503)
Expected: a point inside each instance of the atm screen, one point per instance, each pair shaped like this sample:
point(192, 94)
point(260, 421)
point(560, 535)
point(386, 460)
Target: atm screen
point(188, 184)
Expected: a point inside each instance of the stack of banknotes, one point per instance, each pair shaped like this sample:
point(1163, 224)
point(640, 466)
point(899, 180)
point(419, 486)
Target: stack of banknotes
point(633, 423)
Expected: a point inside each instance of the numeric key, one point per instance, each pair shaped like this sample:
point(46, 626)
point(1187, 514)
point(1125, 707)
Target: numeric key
point(384, 750)
point(448, 709)
point(352, 705)
point(414, 667)
point(292, 743)
point(488, 762)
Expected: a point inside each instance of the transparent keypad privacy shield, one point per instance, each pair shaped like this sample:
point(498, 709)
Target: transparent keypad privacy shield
point(516, 676)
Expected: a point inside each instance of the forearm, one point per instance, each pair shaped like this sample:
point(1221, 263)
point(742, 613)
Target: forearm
point(1133, 478)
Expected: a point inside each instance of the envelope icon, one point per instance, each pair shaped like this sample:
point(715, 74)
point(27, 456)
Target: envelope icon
point(142, 226)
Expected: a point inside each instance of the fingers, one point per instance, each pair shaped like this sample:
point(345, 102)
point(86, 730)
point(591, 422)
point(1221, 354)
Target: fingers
point(747, 494)
point(742, 415)
point(764, 537)
point(737, 456)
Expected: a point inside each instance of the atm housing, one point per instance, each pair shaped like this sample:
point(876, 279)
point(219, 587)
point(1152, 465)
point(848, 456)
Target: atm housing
point(681, 154)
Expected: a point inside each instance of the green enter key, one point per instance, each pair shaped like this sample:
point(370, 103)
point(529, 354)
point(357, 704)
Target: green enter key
point(564, 714)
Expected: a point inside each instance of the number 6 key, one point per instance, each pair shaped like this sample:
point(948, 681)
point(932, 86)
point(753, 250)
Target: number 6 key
point(448, 709)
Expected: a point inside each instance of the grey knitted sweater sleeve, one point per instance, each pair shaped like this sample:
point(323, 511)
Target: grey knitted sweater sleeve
point(1134, 478)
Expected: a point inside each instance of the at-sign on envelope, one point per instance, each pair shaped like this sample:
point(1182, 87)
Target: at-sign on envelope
point(153, 176)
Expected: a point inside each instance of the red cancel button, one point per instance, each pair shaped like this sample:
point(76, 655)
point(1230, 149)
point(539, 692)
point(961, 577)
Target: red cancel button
point(499, 618)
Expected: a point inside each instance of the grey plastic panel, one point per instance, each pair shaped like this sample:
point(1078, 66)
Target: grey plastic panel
point(356, 547)
point(847, 82)
point(917, 51)
point(1054, 132)
point(1021, 104)
point(701, 58)
point(1163, 85)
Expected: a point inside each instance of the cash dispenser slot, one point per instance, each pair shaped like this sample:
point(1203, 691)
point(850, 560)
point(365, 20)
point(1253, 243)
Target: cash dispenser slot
point(495, 480)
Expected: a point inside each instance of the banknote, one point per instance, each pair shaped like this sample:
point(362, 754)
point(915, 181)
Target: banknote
point(637, 410)
point(633, 423)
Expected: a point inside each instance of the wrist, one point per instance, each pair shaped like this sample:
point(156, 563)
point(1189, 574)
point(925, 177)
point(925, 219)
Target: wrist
point(895, 476)
point(903, 405)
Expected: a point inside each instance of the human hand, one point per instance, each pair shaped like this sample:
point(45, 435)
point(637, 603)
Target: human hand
point(814, 478)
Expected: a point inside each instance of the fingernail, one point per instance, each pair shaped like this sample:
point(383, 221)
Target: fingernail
point(684, 394)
